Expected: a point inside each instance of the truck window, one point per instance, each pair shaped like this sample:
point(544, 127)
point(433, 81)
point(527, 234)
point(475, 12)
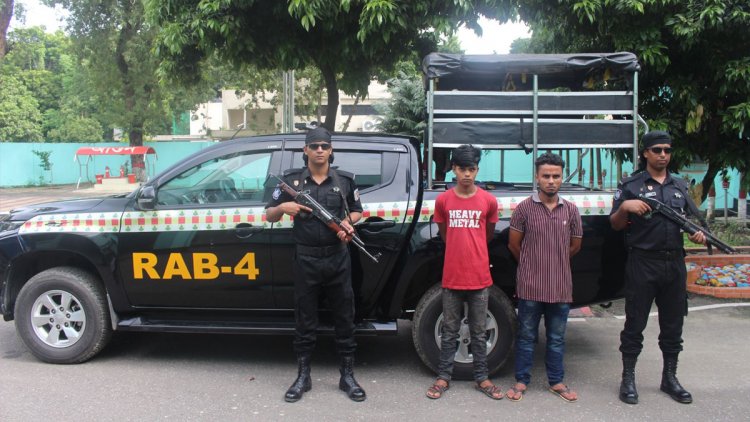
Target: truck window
point(367, 167)
point(236, 177)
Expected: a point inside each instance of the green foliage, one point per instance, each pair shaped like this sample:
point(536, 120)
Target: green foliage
point(348, 41)
point(733, 233)
point(20, 120)
point(66, 127)
point(45, 163)
point(114, 45)
point(404, 113)
point(695, 55)
point(45, 65)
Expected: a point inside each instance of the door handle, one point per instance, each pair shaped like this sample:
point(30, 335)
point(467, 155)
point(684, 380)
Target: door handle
point(372, 226)
point(245, 230)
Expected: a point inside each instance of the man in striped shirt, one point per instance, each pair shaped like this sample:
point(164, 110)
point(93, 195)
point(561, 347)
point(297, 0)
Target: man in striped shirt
point(545, 233)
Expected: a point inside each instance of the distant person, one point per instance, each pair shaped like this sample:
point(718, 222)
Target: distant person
point(545, 232)
point(655, 268)
point(466, 217)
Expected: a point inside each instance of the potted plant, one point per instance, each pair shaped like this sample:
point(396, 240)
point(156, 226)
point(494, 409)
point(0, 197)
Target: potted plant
point(725, 179)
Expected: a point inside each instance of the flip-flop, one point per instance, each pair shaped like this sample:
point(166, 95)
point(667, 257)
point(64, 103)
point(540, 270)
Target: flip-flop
point(437, 390)
point(560, 393)
point(515, 391)
point(491, 391)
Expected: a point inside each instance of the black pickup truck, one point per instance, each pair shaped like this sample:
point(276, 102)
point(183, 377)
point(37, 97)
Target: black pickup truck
point(191, 251)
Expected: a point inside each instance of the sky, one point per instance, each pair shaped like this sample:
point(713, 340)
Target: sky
point(496, 37)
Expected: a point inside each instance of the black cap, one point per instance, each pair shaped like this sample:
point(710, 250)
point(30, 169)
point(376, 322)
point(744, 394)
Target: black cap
point(318, 134)
point(656, 137)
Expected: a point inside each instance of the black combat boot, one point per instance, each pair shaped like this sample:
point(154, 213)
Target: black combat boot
point(303, 383)
point(669, 383)
point(347, 383)
point(628, 393)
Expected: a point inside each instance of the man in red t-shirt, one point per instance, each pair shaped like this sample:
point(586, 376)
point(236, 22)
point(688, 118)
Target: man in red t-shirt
point(466, 217)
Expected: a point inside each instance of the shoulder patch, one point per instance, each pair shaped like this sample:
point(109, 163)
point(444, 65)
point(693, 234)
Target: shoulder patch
point(276, 194)
point(618, 194)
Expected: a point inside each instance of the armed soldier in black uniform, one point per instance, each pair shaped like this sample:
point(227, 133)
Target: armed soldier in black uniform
point(655, 267)
point(322, 262)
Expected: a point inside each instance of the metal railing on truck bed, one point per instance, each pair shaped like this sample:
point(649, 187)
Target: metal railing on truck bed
point(531, 101)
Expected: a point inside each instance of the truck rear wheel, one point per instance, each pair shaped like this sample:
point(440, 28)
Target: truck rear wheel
point(501, 333)
point(62, 315)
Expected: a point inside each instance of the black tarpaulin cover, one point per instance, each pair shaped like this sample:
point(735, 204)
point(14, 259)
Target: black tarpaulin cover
point(492, 71)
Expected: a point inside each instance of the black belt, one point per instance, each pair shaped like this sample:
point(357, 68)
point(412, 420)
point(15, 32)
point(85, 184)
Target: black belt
point(664, 254)
point(320, 251)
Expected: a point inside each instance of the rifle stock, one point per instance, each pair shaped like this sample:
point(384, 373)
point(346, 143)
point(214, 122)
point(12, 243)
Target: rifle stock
point(322, 214)
point(685, 224)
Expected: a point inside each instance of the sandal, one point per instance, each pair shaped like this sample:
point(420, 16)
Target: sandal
point(436, 390)
point(565, 393)
point(491, 390)
point(515, 391)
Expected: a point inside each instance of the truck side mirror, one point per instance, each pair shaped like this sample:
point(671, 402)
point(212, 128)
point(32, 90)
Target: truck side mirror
point(147, 198)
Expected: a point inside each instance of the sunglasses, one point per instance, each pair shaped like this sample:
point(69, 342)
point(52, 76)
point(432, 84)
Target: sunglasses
point(324, 147)
point(659, 150)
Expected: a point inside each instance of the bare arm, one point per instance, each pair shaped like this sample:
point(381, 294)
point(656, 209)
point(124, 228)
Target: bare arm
point(441, 230)
point(490, 231)
point(515, 238)
point(575, 245)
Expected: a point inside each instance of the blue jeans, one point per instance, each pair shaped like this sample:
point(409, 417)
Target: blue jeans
point(453, 310)
point(555, 319)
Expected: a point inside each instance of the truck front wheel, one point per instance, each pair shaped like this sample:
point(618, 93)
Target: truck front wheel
point(62, 315)
point(501, 332)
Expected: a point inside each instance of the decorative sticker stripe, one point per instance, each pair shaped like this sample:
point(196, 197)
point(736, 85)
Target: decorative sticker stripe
point(228, 218)
point(107, 222)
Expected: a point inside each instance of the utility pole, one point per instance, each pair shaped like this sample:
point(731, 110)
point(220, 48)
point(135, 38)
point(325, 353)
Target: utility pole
point(287, 113)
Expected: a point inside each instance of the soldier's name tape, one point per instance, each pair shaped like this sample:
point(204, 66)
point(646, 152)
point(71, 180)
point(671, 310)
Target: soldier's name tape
point(229, 218)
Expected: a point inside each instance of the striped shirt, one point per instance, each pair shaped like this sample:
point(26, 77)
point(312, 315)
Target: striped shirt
point(544, 268)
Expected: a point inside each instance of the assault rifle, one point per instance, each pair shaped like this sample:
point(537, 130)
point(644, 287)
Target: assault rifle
point(330, 220)
point(685, 224)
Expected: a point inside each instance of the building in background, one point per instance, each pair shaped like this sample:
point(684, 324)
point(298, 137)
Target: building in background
point(228, 115)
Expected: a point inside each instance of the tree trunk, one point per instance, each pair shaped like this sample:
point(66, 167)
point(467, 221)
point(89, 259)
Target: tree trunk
point(345, 126)
point(742, 199)
point(708, 180)
point(6, 13)
point(329, 76)
point(136, 161)
point(711, 206)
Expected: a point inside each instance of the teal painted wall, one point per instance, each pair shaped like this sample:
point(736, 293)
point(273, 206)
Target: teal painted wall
point(19, 166)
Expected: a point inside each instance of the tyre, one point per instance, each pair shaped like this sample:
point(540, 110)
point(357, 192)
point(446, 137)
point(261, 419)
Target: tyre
point(62, 315)
point(501, 333)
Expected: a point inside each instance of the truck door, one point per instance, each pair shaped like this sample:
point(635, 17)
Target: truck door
point(384, 177)
point(206, 243)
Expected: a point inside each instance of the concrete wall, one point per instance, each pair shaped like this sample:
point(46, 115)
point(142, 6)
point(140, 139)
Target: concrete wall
point(19, 166)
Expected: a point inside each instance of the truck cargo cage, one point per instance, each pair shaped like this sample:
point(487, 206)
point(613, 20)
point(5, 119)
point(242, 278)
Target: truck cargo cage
point(531, 102)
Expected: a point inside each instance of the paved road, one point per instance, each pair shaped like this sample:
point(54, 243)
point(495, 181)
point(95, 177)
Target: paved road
point(227, 378)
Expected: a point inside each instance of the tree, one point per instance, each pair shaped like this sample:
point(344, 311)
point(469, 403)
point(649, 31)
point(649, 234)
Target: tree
point(695, 80)
point(114, 43)
point(6, 13)
point(349, 41)
point(44, 64)
point(20, 119)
